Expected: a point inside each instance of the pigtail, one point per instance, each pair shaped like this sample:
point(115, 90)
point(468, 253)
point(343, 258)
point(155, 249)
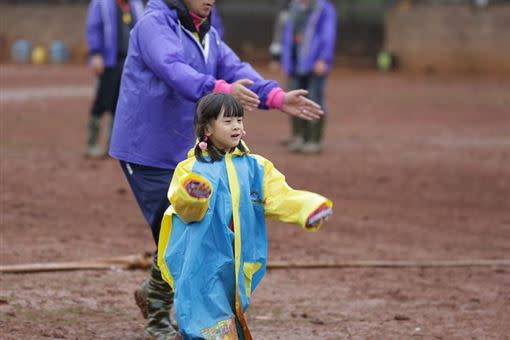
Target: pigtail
point(206, 145)
point(198, 154)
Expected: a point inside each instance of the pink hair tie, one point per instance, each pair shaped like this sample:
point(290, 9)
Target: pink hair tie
point(203, 144)
point(243, 134)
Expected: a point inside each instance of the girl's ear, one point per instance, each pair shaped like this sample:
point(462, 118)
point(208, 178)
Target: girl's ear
point(208, 131)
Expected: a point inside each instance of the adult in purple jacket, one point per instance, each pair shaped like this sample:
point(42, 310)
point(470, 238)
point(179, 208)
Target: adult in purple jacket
point(175, 57)
point(308, 46)
point(108, 25)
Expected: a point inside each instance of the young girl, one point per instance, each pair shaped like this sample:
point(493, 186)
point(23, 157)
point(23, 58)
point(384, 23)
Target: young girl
point(213, 236)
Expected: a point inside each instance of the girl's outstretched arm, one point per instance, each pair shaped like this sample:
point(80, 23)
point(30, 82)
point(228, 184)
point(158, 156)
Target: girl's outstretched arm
point(189, 194)
point(281, 202)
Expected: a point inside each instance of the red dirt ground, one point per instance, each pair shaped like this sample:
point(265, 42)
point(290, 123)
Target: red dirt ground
point(418, 168)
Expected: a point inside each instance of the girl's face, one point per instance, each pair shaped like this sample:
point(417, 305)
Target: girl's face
point(225, 132)
point(200, 7)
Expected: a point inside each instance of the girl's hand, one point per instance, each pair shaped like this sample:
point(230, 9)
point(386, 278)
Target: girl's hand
point(296, 104)
point(197, 189)
point(248, 99)
point(97, 64)
point(319, 216)
point(317, 222)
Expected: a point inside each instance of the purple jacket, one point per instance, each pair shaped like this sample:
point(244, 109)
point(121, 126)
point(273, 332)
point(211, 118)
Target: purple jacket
point(319, 40)
point(217, 22)
point(102, 27)
point(166, 71)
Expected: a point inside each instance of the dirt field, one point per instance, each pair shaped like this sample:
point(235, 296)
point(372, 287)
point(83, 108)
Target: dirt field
point(418, 168)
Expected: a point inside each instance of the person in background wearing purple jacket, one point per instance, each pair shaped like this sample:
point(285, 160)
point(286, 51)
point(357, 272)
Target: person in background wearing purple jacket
point(308, 46)
point(108, 25)
point(175, 57)
point(275, 49)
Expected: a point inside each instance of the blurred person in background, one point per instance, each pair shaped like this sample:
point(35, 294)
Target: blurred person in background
point(175, 57)
point(109, 23)
point(275, 49)
point(307, 51)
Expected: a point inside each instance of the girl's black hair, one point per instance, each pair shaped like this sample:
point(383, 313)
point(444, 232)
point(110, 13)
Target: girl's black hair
point(208, 108)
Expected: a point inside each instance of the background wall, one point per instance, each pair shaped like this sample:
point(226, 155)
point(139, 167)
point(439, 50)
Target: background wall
point(40, 24)
point(249, 26)
point(460, 39)
point(425, 36)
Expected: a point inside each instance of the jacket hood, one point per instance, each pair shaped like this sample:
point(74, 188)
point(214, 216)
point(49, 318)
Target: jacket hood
point(182, 14)
point(178, 5)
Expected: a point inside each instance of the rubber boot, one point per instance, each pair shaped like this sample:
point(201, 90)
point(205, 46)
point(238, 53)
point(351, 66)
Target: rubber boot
point(141, 299)
point(141, 296)
point(94, 150)
point(159, 302)
point(313, 136)
point(298, 126)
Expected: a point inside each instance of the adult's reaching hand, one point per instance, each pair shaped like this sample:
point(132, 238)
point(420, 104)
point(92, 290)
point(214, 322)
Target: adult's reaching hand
point(296, 104)
point(248, 99)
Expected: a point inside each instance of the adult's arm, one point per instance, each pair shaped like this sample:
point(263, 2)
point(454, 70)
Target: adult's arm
point(162, 52)
point(94, 28)
point(231, 69)
point(271, 96)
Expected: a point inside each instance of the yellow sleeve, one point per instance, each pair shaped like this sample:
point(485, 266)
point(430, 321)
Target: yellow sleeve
point(188, 208)
point(285, 204)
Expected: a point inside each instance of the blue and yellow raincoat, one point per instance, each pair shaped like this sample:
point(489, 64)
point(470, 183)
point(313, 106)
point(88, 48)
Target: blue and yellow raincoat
point(213, 251)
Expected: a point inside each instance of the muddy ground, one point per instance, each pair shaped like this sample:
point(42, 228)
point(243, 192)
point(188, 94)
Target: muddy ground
point(418, 168)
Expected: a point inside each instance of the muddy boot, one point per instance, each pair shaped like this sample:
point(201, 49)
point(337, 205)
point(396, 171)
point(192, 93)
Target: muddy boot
point(311, 147)
point(298, 128)
point(313, 136)
point(316, 128)
point(159, 302)
point(296, 144)
point(94, 150)
point(141, 298)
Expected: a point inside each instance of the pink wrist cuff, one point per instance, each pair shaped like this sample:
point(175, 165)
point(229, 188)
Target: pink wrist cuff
point(222, 87)
point(275, 98)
